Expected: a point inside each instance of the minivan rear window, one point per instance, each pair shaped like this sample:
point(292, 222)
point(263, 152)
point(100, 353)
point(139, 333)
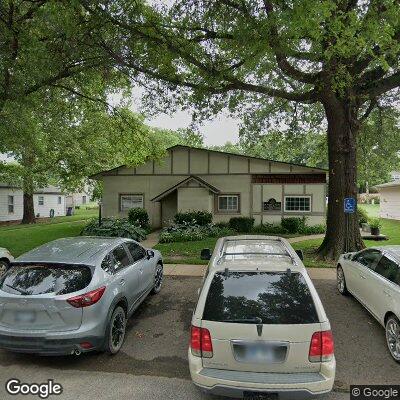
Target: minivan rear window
point(41, 279)
point(255, 297)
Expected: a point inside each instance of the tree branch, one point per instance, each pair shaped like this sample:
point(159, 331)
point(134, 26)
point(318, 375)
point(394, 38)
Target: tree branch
point(381, 86)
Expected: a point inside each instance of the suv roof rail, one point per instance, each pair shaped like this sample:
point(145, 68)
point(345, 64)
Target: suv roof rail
point(288, 251)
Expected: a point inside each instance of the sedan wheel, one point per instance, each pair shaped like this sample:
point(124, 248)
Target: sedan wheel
point(116, 332)
point(341, 281)
point(393, 337)
point(3, 267)
point(158, 278)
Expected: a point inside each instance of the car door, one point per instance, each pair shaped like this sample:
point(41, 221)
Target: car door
point(146, 271)
point(127, 273)
point(362, 275)
point(385, 292)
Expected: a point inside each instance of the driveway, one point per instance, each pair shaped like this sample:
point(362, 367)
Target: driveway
point(152, 363)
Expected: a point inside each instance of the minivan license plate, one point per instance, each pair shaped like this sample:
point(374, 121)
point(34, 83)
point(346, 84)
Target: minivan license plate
point(260, 396)
point(25, 316)
point(260, 353)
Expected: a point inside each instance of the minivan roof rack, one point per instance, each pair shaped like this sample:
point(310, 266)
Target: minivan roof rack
point(288, 252)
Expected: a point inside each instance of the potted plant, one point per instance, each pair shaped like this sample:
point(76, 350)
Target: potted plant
point(375, 224)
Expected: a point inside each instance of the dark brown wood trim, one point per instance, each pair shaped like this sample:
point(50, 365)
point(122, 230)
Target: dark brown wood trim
point(172, 162)
point(216, 211)
point(288, 178)
point(129, 194)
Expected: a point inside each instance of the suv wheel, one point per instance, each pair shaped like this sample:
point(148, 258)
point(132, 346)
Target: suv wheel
point(158, 278)
point(341, 281)
point(3, 267)
point(393, 337)
point(116, 331)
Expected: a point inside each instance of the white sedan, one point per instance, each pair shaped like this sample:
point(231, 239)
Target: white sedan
point(372, 276)
point(5, 259)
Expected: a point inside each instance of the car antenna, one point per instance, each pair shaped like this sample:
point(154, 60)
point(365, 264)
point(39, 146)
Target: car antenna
point(288, 272)
point(226, 272)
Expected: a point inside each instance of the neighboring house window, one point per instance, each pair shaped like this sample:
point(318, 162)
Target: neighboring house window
point(298, 203)
point(11, 204)
point(228, 203)
point(41, 200)
point(128, 201)
point(59, 200)
point(83, 199)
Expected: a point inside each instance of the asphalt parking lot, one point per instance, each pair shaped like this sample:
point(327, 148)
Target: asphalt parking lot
point(154, 352)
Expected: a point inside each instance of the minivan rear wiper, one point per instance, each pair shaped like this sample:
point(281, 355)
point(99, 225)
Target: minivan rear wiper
point(251, 320)
point(17, 289)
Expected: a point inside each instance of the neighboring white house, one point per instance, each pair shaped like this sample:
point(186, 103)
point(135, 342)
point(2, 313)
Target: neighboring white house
point(44, 200)
point(389, 199)
point(79, 198)
point(227, 185)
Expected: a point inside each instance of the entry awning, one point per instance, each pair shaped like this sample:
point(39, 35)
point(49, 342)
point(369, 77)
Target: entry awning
point(200, 181)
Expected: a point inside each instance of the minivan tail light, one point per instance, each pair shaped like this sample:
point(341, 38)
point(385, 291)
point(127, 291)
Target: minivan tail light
point(321, 347)
point(200, 342)
point(87, 299)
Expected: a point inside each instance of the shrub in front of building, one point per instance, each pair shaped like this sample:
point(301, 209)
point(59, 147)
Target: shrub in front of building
point(187, 232)
point(139, 217)
point(118, 227)
point(293, 224)
point(241, 224)
point(193, 217)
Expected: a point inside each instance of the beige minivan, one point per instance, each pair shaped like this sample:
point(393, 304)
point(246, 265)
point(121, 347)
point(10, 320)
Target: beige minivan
point(259, 329)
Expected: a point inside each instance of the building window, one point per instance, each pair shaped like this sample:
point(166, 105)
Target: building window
point(83, 199)
point(128, 201)
point(228, 203)
point(298, 203)
point(11, 204)
point(59, 200)
point(41, 200)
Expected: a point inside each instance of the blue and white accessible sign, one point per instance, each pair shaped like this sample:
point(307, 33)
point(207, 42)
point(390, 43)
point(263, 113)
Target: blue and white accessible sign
point(349, 205)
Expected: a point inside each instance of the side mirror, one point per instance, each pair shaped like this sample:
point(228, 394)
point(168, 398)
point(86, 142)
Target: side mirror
point(300, 254)
point(205, 254)
point(150, 254)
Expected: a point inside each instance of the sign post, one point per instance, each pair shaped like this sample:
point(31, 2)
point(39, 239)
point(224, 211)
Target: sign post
point(349, 207)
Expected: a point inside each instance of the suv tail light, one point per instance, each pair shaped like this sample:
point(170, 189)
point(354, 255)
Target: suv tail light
point(321, 347)
point(87, 299)
point(200, 342)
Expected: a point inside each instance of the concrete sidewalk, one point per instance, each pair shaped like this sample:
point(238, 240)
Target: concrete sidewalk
point(199, 270)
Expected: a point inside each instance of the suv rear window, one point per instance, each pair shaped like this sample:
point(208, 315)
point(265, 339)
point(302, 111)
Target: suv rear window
point(273, 297)
point(40, 279)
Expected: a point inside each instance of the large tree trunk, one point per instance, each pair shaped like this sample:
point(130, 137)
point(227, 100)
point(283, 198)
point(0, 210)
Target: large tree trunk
point(342, 234)
point(29, 212)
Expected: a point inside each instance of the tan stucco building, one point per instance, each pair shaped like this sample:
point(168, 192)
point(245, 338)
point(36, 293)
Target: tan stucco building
point(225, 184)
point(389, 205)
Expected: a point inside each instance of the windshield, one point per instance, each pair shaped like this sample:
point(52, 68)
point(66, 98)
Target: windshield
point(252, 297)
point(41, 279)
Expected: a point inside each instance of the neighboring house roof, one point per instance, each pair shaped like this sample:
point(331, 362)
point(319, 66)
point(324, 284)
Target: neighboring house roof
point(94, 176)
point(200, 181)
point(388, 184)
point(46, 190)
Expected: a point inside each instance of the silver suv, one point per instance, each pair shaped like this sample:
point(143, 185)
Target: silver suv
point(259, 326)
point(74, 295)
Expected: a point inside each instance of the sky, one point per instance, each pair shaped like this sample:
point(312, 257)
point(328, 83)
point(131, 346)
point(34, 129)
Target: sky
point(216, 132)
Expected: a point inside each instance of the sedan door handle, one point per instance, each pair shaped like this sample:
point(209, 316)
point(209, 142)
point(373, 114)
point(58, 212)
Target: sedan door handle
point(362, 276)
point(122, 282)
point(387, 293)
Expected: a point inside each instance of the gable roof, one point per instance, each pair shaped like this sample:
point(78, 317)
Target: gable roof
point(200, 181)
point(94, 176)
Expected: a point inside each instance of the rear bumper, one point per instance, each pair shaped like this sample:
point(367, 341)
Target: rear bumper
point(45, 345)
point(287, 385)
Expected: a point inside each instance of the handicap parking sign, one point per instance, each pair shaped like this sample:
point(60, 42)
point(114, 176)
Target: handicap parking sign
point(349, 205)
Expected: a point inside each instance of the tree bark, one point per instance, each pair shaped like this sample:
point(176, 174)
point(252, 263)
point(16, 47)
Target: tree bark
point(29, 211)
point(343, 233)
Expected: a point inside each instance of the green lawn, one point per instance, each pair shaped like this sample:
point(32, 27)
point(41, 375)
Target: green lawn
point(21, 238)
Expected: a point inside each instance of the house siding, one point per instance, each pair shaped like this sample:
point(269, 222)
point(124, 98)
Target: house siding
point(229, 173)
point(390, 202)
point(50, 202)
